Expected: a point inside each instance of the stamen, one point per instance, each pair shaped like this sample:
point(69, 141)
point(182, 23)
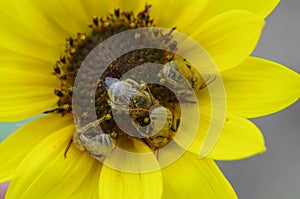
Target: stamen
point(117, 12)
point(58, 92)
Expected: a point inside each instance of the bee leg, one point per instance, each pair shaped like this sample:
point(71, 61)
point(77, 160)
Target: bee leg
point(175, 128)
point(141, 87)
point(63, 110)
point(93, 124)
point(104, 118)
point(133, 83)
point(68, 147)
point(149, 92)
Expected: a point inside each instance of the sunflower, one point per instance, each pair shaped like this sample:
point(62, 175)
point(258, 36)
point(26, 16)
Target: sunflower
point(43, 45)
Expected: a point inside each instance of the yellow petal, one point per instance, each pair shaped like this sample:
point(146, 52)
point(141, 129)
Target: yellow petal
point(88, 189)
point(47, 22)
point(26, 13)
point(201, 133)
point(23, 93)
point(45, 173)
point(239, 139)
point(18, 37)
point(19, 144)
point(11, 61)
point(205, 110)
point(43, 15)
point(259, 87)
point(125, 5)
point(39, 28)
point(121, 184)
point(190, 119)
point(230, 37)
point(176, 13)
point(133, 156)
point(262, 8)
point(212, 116)
point(96, 8)
point(7, 8)
point(191, 177)
point(118, 185)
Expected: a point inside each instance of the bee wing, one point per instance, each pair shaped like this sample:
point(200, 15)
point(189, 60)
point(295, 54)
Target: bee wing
point(105, 143)
point(122, 93)
point(172, 73)
point(89, 128)
point(160, 117)
point(98, 145)
point(109, 81)
point(173, 64)
point(127, 93)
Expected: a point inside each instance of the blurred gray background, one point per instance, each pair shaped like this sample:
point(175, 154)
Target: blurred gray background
point(276, 173)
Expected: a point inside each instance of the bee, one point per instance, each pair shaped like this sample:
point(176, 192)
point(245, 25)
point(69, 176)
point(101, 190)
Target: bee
point(170, 73)
point(130, 95)
point(99, 145)
point(145, 110)
point(120, 92)
point(180, 81)
point(163, 126)
point(177, 73)
point(89, 138)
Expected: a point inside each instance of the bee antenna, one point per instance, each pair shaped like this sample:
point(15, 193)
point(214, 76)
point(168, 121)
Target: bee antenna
point(205, 84)
point(148, 90)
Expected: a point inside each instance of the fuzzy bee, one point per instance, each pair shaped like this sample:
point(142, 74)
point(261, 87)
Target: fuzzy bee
point(129, 95)
point(120, 92)
point(89, 138)
point(137, 99)
point(171, 73)
point(177, 73)
point(163, 127)
point(181, 83)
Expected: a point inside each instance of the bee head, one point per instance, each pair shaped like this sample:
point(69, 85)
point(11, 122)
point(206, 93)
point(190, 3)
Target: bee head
point(141, 100)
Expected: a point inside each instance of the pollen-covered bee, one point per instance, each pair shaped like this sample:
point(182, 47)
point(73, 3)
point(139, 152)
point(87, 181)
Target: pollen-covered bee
point(129, 95)
point(171, 73)
point(120, 92)
point(163, 126)
point(160, 122)
point(177, 73)
point(89, 138)
point(181, 81)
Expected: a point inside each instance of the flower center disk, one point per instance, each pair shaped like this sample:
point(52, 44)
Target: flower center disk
point(152, 106)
